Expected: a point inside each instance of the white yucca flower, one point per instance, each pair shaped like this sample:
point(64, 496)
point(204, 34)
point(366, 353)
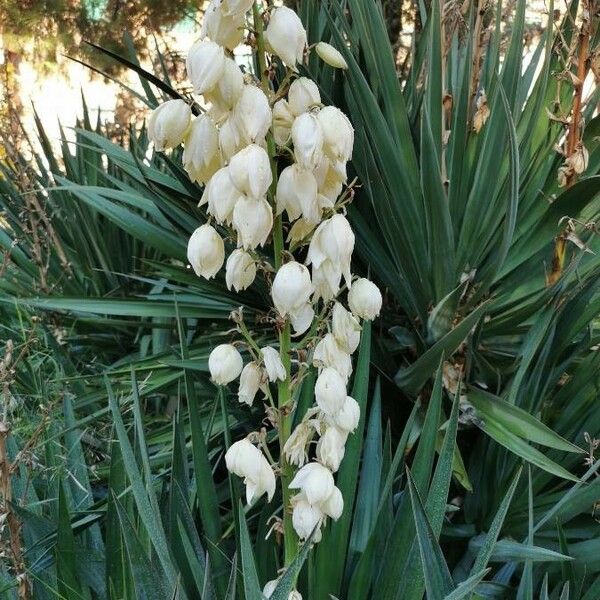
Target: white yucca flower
point(307, 137)
point(303, 95)
point(364, 299)
point(297, 194)
point(250, 171)
point(225, 364)
point(221, 196)
point(206, 251)
point(330, 391)
point(331, 448)
point(247, 461)
point(286, 36)
point(329, 354)
point(273, 365)
point(225, 29)
point(205, 65)
point(201, 155)
point(250, 382)
point(169, 123)
point(253, 114)
point(253, 221)
point(315, 482)
point(240, 270)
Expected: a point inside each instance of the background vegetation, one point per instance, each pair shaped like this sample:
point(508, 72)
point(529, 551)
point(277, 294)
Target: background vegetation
point(473, 472)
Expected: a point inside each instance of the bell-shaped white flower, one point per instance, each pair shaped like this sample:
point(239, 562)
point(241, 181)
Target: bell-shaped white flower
point(297, 194)
point(329, 354)
point(305, 517)
point(303, 95)
point(273, 365)
point(331, 448)
point(247, 461)
point(201, 156)
point(250, 383)
point(333, 240)
point(300, 230)
point(347, 418)
point(230, 141)
point(205, 65)
point(331, 56)
point(250, 171)
point(206, 251)
point(253, 114)
point(291, 288)
point(240, 270)
point(326, 281)
point(334, 505)
point(330, 176)
point(307, 137)
point(236, 7)
point(229, 88)
point(282, 122)
point(345, 328)
point(330, 391)
point(225, 364)
point(286, 36)
point(295, 448)
point(315, 481)
point(169, 123)
point(302, 318)
point(338, 133)
point(364, 299)
point(225, 29)
point(221, 196)
point(253, 221)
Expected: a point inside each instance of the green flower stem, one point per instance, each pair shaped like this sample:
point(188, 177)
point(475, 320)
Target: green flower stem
point(283, 388)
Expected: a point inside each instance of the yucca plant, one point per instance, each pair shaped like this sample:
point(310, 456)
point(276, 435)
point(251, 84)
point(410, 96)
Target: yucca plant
point(484, 356)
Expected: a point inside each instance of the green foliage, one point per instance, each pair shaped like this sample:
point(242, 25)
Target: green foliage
point(128, 496)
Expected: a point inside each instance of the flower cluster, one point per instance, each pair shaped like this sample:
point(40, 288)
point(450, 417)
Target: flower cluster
point(269, 157)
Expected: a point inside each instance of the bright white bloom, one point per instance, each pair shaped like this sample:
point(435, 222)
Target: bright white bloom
point(302, 319)
point(307, 137)
point(347, 418)
point(205, 65)
point(226, 30)
point(291, 288)
point(240, 270)
point(315, 481)
point(273, 365)
point(330, 55)
point(295, 446)
point(305, 517)
point(229, 88)
point(338, 133)
point(253, 114)
point(297, 194)
point(364, 299)
point(329, 179)
point(334, 241)
point(282, 122)
point(345, 328)
point(329, 354)
point(221, 196)
point(253, 221)
point(334, 505)
point(169, 123)
point(250, 171)
point(331, 448)
point(201, 157)
point(286, 36)
point(300, 230)
point(247, 461)
point(225, 364)
point(303, 95)
point(330, 391)
point(326, 281)
point(250, 382)
point(270, 588)
point(230, 141)
point(206, 251)
point(236, 7)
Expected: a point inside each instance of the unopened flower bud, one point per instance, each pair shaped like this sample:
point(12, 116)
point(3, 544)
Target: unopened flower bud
point(205, 65)
point(364, 299)
point(297, 194)
point(273, 365)
point(315, 481)
point(282, 122)
point(331, 56)
point(206, 251)
point(250, 382)
point(330, 391)
point(250, 171)
point(253, 114)
point(338, 134)
point(253, 221)
point(291, 288)
point(307, 137)
point(240, 270)
point(286, 36)
point(345, 328)
point(225, 364)
point(331, 448)
point(226, 30)
point(303, 95)
point(201, 156)
point(169, 123)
